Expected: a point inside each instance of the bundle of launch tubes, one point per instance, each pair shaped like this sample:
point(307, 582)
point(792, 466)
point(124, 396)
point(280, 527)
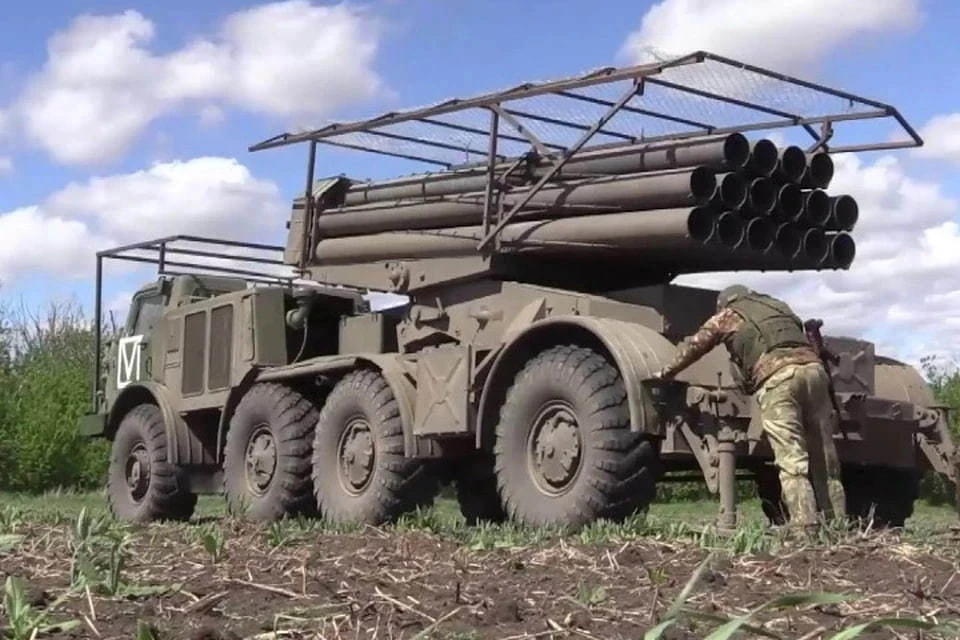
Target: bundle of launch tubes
point(717, 202)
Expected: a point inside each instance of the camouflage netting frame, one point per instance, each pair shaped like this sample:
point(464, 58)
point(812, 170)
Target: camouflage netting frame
point(678, 97)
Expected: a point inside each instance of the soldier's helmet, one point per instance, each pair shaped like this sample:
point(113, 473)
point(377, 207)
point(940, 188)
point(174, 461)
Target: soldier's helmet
point(730, 294)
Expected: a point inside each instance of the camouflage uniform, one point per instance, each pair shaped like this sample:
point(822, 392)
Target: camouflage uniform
point(770, 356)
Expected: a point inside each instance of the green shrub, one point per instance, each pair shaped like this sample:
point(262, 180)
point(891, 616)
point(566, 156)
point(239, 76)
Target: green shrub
point(45, 383)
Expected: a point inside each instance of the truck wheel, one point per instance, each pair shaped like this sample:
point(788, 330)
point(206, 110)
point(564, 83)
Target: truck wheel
point(142, 485)
point(477, 492)
point(266, 457)
point(360, 473)
point(565, 454)
point(888, 492)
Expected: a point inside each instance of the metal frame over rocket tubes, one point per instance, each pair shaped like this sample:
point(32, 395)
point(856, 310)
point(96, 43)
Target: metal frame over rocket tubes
point(668, 136)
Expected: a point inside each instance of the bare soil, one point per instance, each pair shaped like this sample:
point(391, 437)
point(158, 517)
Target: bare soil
point(375, 584)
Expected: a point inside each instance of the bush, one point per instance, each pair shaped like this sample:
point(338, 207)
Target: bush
point(46, 376)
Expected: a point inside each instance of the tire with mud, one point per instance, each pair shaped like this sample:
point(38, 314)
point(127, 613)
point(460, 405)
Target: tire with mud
point(565, 454)
point(266, 457)
point(142, 485)
point(360, 472)
point(477, 493)
point(881, 497)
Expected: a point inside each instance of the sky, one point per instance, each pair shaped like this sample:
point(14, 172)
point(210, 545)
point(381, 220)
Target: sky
point(131, 121)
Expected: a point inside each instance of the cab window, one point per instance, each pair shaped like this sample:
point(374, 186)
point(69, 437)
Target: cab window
point(146, 312)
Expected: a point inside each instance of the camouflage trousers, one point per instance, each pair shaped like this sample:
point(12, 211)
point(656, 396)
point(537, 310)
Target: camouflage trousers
point(798, 418)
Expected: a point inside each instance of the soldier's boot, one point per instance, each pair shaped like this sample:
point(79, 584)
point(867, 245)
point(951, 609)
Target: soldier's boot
point(799, 498)
point(837, 509)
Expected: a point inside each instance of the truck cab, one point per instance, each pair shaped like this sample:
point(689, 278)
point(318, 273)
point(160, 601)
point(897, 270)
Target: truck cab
point(129, 354)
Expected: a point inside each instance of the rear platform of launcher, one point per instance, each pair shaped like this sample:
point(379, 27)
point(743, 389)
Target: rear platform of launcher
point(554, 217)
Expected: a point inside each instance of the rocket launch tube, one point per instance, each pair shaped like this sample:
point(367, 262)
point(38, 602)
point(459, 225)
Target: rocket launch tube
point(843, 213)
point(763, 196)
point(788, 240)
point(645, 191)
point(789, 202)
point(730, 230)
point(819, 171)
point(791, 164)
point(840, 255)
point(843, 249)
point(721, 153)
point(759, 234)
point(816, 208)
point(764, 158)
point(663, 232)
point(815, 245)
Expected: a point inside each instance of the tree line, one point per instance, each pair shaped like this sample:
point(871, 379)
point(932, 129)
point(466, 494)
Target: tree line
point(46, 376)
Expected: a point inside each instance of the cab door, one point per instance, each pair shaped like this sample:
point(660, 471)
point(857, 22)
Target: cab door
point(133, 356)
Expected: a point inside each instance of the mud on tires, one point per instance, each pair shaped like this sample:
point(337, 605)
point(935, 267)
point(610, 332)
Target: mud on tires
point(266, 457)
point(142, 485)
point(360, 472)
point(565, 454)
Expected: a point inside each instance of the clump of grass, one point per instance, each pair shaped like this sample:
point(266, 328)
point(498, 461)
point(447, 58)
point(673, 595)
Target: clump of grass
point(213, 541)
point(11, 519)
point(23, 622)
point(725, 627)
point(146, 631)
point(100, 553)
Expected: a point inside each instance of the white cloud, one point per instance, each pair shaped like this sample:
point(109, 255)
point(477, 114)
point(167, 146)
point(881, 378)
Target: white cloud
point(6, 165)
point(209, 196)
point(33, 242)
point(201, 196)
point(790, 35)
point(102, 85)
point(901, 289)
point(941, 138)
point(118, 306)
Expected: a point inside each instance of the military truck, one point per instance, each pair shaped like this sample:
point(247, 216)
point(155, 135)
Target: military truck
point(536, 269)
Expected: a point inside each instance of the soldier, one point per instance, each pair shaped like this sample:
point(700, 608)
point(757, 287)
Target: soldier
point(771, 356)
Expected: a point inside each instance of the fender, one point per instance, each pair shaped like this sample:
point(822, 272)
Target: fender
point(637, 352)
point(389, 366)
point(183, 447)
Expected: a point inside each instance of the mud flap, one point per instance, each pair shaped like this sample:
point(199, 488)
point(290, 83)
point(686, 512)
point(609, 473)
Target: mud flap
point(666, 398)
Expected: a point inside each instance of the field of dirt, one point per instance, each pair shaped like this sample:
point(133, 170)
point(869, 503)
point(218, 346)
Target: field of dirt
point(231, 580)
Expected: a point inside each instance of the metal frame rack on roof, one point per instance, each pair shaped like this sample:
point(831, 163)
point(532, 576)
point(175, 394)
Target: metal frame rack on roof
point(158, 252)
point(690, 96)
point(247, 265)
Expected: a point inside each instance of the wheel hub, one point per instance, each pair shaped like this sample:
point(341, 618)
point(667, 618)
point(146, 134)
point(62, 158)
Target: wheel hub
point(554, 448)
point(261, 460)
point(356, 454)
point(138, 471)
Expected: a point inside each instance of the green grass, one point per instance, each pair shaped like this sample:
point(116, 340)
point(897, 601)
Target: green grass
point(682, 521)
